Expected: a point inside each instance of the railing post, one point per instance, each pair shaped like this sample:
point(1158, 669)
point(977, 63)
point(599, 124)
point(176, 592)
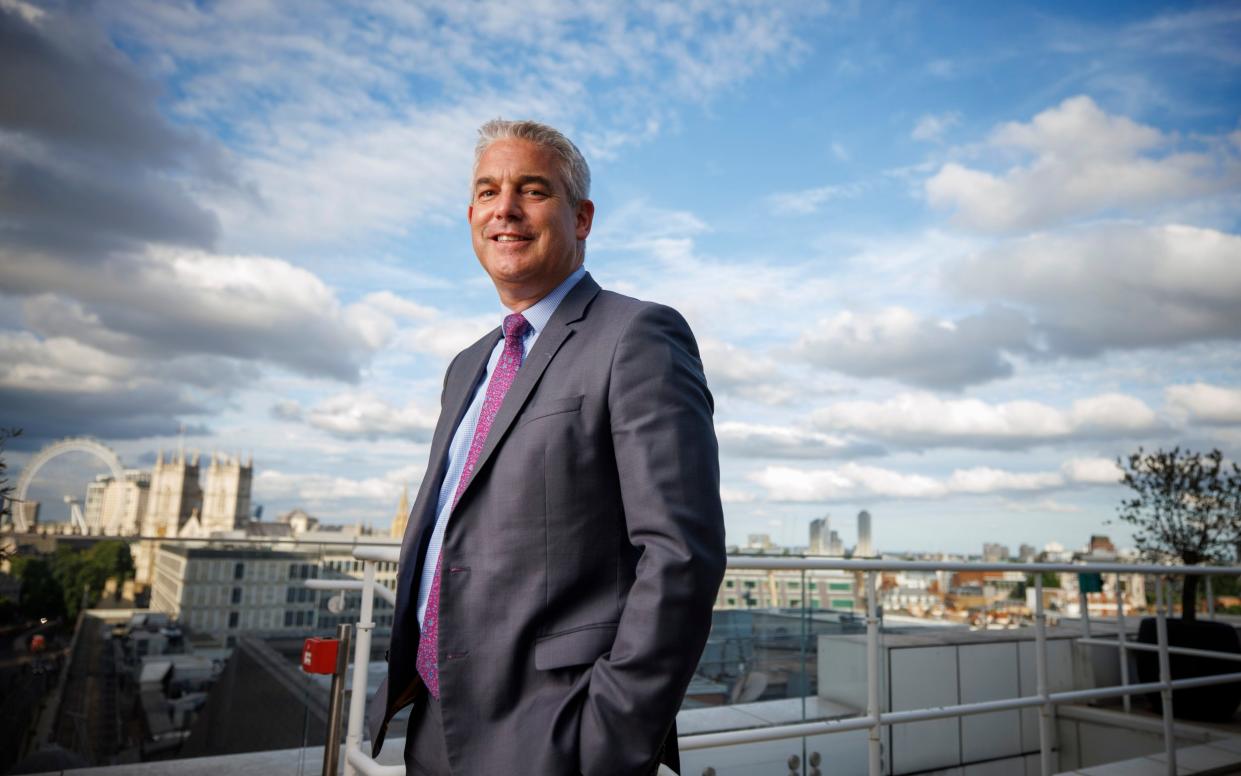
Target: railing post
point(1165, 674)
point(1210, 597)
point(361, 664)
point(1120, 641)
point(336, 696)
point(1083, 601)
point(1040, 668)
point(875, 760)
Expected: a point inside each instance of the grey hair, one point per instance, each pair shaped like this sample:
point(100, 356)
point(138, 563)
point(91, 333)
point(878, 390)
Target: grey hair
point(573, 167)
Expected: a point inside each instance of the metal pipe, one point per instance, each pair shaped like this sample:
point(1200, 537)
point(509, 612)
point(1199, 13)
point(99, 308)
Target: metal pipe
point(357, 762)
point(336, 700)
point(1040, 667)
point(773, 733)
point(350, 584)
point(765, 562)
point(1165, 675)
point(799, 730)
point(1210, 599)
point(1083, 601)
point(873, 710)
point(361, 664)
point(1171, 650)
point(1120, 639)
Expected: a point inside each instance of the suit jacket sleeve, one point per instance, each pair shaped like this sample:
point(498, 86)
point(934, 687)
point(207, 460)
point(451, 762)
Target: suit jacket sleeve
point(668, 467)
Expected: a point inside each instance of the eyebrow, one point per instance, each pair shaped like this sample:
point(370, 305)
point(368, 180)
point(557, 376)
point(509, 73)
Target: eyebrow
point(487, 180)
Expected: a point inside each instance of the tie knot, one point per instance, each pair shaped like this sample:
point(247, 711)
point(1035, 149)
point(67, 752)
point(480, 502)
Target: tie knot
point(515, 325)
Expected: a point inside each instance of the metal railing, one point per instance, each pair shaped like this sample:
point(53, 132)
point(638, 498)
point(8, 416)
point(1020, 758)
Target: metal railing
point(358, 762)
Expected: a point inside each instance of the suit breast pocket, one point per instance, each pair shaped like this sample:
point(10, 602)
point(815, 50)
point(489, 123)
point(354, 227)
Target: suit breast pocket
point(550, 407)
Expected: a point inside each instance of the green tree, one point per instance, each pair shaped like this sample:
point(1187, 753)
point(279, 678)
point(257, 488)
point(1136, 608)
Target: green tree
point(1185, 505)
point(6, 506)
point(42, 595)
point(77, 571)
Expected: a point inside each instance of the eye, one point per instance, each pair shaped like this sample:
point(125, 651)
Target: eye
point(484, 194)
point(536, 193)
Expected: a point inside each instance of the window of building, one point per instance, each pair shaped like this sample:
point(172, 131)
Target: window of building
point(292, 571)
point(731, 601)
point(288, 619)
point(842, 603)
point(288, 595)
point(813, 586)
point(236, 595)
point(730, 584)
point(839, 586)
point(750, 584)
point(233, 617)
point(793, 585)
point(239, 570)
point(794, 602)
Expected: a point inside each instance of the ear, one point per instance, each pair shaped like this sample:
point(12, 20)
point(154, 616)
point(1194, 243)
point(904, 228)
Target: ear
point(584, 217)
point(469, 214)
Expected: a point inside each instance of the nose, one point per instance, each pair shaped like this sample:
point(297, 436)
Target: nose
point(507, 206)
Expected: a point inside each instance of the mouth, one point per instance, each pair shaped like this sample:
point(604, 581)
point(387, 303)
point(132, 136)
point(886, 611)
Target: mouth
point(509, 237)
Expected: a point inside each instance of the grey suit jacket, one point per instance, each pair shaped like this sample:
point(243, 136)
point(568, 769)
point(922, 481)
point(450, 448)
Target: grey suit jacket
point(582, 561)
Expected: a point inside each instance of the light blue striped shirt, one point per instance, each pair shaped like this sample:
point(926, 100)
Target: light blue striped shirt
point(537, 316)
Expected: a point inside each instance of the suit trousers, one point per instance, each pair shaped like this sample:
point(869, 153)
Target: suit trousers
point(426, 754)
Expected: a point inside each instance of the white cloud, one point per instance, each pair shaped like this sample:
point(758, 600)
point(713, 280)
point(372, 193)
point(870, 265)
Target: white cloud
point(1115, 286)
point(932, 126)
point(852, 481)
point(1092, 471)
point(171, 302)
point(755, 440)
point(1204, 403)
point(1082, 162)
point(343, 145)
point(807, 201)
point(362, 415)
point(742, 372)
point(924, 420)
point(897, 343)
point(369, 500)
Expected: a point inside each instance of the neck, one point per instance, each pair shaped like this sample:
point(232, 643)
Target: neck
point(519, 298)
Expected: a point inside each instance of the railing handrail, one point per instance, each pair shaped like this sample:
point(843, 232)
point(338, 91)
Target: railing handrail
point(819, 563)
point(357, 761)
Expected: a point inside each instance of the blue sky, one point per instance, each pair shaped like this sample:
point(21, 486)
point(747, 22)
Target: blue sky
point(945, 262)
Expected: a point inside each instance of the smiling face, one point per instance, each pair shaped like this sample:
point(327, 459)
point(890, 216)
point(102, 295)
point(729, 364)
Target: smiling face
point(526, 234)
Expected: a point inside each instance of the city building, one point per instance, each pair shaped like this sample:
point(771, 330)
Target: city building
point(401, 518)
point(784, 589)
point(1027, 553)
point(994, 553)
point(175, 495)
point(1101, 545)
point(228, 590)
point(226, 494)
point(865, 544)
point(835, 546)
point(759, 542)
point(117, 507)
point(819, 528)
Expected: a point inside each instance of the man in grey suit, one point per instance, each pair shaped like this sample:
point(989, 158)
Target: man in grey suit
point(563, 555)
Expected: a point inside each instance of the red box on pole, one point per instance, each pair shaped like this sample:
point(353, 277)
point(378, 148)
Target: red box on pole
point(319, 655)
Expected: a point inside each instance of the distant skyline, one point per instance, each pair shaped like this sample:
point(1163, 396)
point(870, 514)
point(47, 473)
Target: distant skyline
point(945, 263)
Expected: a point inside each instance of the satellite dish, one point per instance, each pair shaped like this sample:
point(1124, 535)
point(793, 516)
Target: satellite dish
point(336, 604)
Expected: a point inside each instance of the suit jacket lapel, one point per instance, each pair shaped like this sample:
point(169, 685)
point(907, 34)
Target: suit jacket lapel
point(571, 309)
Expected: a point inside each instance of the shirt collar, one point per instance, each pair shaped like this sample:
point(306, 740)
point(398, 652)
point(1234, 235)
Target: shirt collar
point(539, 313)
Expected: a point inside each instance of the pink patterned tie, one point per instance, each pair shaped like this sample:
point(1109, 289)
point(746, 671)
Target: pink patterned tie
point(515, 327)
